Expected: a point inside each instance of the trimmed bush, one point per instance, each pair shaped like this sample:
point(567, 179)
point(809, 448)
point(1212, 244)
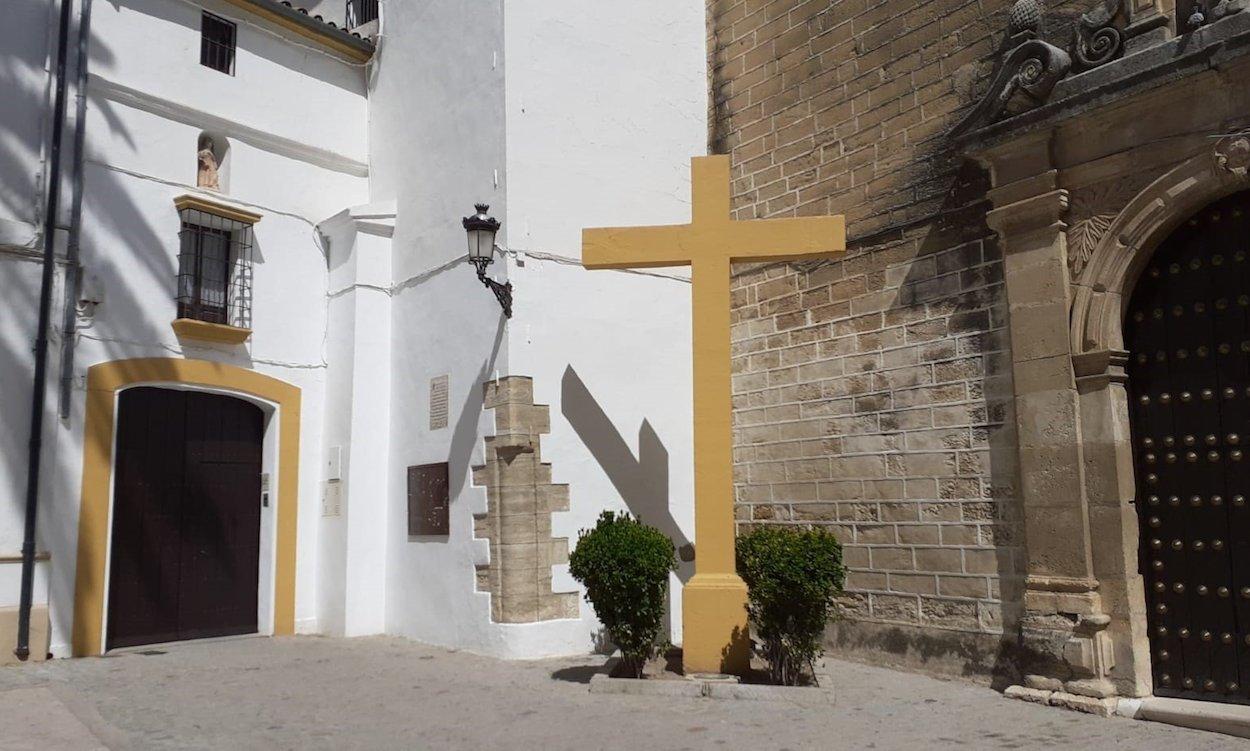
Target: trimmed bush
point(793, 576)
point(624, 565)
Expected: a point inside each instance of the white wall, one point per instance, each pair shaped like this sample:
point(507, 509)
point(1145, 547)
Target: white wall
point(147, 97)
point(25, 39)
point(19, 288)
point(282, 84)
point(352, 567)
point(606, 104)
point(546, 102)
point(437, 141)
point(560, 115)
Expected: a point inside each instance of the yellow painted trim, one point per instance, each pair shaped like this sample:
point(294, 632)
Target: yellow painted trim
point(714, 620)
point(210, 332)
point(327, 38)
point(217, 208)
point(103, 383)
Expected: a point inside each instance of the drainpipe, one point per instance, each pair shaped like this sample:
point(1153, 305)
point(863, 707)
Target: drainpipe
point(73, 269)
point(41, 338)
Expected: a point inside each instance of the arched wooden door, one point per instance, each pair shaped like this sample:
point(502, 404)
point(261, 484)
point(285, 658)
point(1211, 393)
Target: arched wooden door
point(1189, 386)
point(186, 517)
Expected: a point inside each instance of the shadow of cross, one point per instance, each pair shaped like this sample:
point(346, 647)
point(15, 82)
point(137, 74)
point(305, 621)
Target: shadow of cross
point(642, 481)
point(714, 600)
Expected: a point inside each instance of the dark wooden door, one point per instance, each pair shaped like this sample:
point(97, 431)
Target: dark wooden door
point(1189, 386)
point(186, 517)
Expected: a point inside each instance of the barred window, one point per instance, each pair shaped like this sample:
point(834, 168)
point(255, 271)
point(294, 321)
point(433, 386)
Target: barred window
point(215, 269)
point(361, 12)
point(217, 37)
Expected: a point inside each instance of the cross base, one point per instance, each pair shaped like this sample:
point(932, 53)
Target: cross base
point(715, 636)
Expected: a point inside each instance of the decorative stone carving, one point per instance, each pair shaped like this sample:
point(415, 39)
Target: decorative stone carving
point(1228, 8)
point(1025, 17)
point(1031, 68)
point(1093, 210)
point(1121, 252)
point(207, 174)
point(1232, 154)
point(1103, 33)
point(1034, 66)
point(1098, 39)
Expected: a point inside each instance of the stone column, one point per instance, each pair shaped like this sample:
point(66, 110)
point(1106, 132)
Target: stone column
point(1109, 488)
point(1063, 629)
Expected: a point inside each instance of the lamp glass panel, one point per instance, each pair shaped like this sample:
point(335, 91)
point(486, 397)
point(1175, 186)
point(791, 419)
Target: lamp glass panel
point(484, 242)
point(481, 243)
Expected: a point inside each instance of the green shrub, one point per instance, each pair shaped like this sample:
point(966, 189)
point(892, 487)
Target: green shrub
point(792, 576)
point(624, 565)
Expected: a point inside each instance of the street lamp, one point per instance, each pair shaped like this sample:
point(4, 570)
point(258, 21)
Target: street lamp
point(481, 230)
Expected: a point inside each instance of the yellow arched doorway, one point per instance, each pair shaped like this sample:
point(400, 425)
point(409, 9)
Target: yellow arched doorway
point(103, 383)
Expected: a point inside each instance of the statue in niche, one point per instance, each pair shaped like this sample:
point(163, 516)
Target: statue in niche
point(207, 176)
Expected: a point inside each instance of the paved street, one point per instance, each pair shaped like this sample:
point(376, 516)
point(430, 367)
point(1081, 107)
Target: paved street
point(384, 693)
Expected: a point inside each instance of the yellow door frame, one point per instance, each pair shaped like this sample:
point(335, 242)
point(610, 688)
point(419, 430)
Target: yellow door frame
point(103, 382)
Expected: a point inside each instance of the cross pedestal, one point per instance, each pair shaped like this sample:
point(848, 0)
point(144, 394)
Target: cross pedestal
point(714, 622)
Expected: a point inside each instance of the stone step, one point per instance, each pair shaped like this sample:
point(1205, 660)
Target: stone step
point(1230, 719)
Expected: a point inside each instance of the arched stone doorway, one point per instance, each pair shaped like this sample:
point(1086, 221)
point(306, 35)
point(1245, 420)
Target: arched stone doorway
point(1084, 625)
point(1188, 369)
point(1136, 241)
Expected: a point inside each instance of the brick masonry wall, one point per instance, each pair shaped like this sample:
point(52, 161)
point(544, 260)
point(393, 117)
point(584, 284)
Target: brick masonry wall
point(872, 394)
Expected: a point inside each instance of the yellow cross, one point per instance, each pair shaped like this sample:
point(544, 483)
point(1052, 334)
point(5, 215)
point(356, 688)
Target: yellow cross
point(714, 621)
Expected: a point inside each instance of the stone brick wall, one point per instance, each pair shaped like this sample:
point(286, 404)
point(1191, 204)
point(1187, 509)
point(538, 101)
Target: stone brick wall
point(872, 394)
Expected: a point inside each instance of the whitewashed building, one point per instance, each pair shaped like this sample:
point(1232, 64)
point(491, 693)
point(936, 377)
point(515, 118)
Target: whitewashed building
point(286, 403)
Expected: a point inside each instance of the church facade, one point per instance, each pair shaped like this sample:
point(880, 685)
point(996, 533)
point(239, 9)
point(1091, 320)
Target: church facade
point(279, 401)
point(1018, 398)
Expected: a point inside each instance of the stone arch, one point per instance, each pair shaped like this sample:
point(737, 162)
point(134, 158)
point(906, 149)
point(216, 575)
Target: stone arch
point(1101, 290)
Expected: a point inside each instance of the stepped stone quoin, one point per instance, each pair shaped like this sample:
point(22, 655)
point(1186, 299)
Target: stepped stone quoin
point(520, 499)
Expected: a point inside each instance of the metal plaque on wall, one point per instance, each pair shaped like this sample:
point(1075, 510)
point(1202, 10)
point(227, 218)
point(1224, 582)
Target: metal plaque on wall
point(429, 500)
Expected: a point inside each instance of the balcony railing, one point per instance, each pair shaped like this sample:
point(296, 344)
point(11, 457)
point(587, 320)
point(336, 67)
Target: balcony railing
point(361, 12)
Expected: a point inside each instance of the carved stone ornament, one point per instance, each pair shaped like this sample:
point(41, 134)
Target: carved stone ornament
point(1024, 17)
point(1032, 68)
point(1232, 154)
point(1098, 39)
point(1228, 8)
point(1101, 34)
point(1093, 210)
point(1029, 66)
point(207, 171)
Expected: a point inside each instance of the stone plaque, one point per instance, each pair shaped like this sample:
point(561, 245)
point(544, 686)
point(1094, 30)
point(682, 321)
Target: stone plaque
point(438, 402)
point(332, 499)
point(429, 500)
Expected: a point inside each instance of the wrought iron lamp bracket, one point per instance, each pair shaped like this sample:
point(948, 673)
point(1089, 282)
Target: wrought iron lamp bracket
point(503, 292)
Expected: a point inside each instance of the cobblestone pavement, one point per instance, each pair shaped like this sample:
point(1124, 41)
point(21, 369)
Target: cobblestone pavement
point(386, 693)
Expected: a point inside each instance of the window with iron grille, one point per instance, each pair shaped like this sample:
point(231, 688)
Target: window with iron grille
point(215, 269)
point(217, 37)
point(361, 12)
